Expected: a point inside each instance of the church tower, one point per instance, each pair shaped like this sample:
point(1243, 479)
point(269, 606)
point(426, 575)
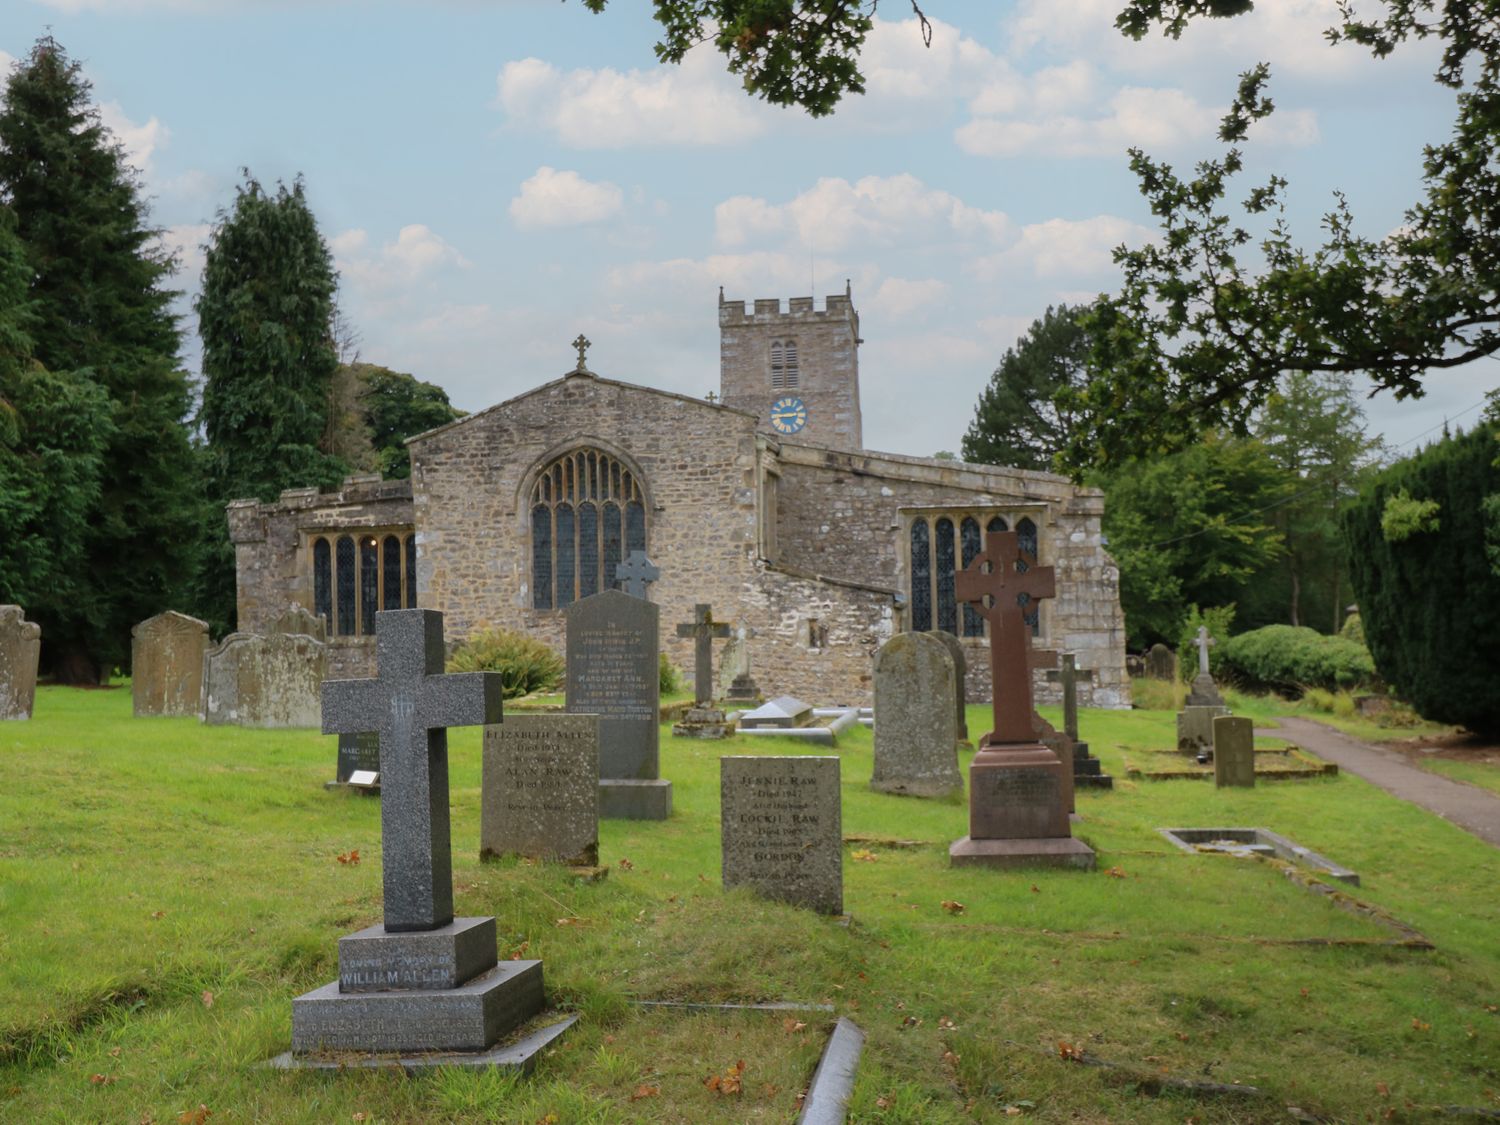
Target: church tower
point(797, 371)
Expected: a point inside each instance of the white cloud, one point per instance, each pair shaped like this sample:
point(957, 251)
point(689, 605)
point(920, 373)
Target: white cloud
point(6, 62)
point(835, 215)
point(1064, 249)
point(186, 243)
point(897, 297)
point(695, 103)
point(139, 141)
point(759, 272)
point(416, 253)
point(563, 199)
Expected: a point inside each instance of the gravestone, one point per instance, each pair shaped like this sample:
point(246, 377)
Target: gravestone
point(540, 795)
point(273, 681)
point(635, 574)
point(781, 829)
point(1234, 752)
point(421, 980)
point(1018, 789)
point(960, 673)
point(784, 712)
point(166, 665)
point(1195, 730)
point(613, 672)
point(1204, 692)
point(916, 752)
point(20, 649)
point(703, 719)
point(735, 681)
point(300, 622)
point(358, 754)
point(1161, 664)
point(1087, 770)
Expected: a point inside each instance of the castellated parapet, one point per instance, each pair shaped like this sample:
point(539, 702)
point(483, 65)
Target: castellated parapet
point(768, 354)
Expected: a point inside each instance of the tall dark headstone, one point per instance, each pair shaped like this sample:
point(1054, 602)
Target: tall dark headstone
point(614, 654)
point(1018, 809)
point(423, 980)
point(1087, 770)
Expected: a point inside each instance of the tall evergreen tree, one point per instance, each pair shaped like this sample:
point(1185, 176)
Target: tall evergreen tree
point(265, 315)
point(99, 310)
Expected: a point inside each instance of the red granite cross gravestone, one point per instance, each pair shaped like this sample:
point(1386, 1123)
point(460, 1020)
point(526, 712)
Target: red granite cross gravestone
point(1018, 807)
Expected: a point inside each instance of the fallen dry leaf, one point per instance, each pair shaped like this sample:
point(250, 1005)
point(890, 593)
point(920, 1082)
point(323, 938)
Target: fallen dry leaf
point(626, 865)
point(195, 1116)
point(912, 1021)
point(865, 855)
point(360, 1115)
point(1068, 1051)
point(114, 1052)
point(952, 907)
point(1418, 1025)
point(792, 1025)
point(102, 1079)
point(950, 1058)
point(946, 1024)
point(1036, 890)
point(645, 1091)
point(573, 921)
point(351, 858)
point(520, 950)
point(1116, 873)
point(158, 914)
point(729, 1082)
point(1382, 1089)
point(883, 1102)
point(1182, 1036)
point(208, 998)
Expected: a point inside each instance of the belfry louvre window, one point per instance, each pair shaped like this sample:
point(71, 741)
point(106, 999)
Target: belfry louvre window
point(943, 544)
point(357, 573)
point(587, 514)
point(784, 374)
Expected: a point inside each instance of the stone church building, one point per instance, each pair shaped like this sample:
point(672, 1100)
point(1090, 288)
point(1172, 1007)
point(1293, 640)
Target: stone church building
point(764, 504)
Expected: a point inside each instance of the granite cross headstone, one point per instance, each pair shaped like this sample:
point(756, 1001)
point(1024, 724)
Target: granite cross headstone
point(635, 574)
point(703, 629)
point(412, 703)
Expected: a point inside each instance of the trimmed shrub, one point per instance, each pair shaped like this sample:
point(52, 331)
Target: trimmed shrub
point(1428, 594)
point(1295, 658)
point(1353, 628)
point(670, 678)
point(525, 664)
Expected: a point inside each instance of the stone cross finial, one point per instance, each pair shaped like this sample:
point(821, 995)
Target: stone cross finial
point(582, 344)
point(1204, 643)
point(411, 703)
point(712, 396)
point(703, 629)
point(635, 573)
point(991, 583)
point(1069, 677)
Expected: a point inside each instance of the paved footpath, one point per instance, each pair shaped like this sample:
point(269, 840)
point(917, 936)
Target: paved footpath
point(1473, 809)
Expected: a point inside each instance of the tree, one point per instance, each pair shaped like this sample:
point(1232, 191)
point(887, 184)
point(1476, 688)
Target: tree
point(398, 406)
point(1018, 421)
point(265, 315)
point(1313, 428)
point(1191, 528)
point(1197, 336)
point(98, 312)
point(1429, 596)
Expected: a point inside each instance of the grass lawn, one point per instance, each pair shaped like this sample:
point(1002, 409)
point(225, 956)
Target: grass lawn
point(167, 888)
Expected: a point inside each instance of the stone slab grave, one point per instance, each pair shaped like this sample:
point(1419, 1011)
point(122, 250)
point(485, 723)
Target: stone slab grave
point(916, 753)
point(783, 713)
point(358, 765)
point(540, 790)
point(789, 717)
point(422, 980)
point(1251, 841)
point(273, 681)
point(1234, 752)
point(1087, 770)
point(20, 650)
point(703, 719)
point(166, 665)
point(960, 674)
point(781, 829)
point(1204, 692)
point(1018, 809)
point(613, 660)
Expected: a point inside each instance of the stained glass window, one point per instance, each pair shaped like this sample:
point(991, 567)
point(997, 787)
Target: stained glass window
point(921, 577)
point(541, 557)
point(323, 581)
point(971, 541)
point(947, 603)
point(369, 584)
point(562, 520)
point(588, 547)
point(411, 572)
point(578, 535)
point(390, 572)
point(612, 543)
point(344, 569)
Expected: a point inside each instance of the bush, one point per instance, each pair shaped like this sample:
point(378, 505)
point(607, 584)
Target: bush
point(1353, 628)
point(670, 677)
point(525, 664)
point(1296, 658)
point(1428, 592)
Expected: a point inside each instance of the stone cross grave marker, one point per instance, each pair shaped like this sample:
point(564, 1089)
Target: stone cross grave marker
point(1203, 644)
point(412, 703)
point(635, 573)
point(1018, 789)
point(1069, 676)
point(916, 735)
point(703, 629)
point(20, 649)
point(540, 795)
point(781, 831)
point(166, 665)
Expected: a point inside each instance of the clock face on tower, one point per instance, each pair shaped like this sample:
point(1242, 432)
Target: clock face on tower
point(788, 415)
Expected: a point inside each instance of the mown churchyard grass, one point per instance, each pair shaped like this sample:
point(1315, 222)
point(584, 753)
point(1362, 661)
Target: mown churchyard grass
point(167, 888)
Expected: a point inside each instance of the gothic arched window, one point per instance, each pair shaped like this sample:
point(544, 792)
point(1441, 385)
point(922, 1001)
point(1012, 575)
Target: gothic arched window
point(1026, 540)
point(353, 576)
point(587, 514)
point(943, 543)
point(969, 534)
point(921, 577)
point(947, 601)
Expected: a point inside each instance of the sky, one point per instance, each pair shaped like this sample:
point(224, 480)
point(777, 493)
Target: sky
point(494, 177)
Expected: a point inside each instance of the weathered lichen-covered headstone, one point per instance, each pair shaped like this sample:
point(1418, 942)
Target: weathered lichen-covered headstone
point(1234, 752)
point(1161, 664)
point(614, 672)
point(20, 649)
point(298, 621)
point(274, 681)
point(166, 665)
point(540, 795)
point(960, 672)
point(915, 732)
point(422, 980)
point(781, 829)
